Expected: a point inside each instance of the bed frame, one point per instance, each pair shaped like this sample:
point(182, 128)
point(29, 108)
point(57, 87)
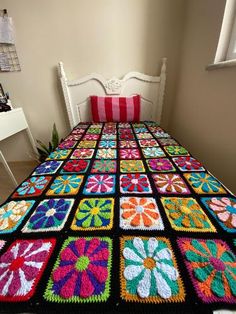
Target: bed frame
point(77, 92)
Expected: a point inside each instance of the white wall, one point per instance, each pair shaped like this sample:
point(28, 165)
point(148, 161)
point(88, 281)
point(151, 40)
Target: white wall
point(111, 37)
point(204, 114)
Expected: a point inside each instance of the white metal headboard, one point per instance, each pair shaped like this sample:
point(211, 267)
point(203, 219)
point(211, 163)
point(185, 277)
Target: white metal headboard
point(77, 92)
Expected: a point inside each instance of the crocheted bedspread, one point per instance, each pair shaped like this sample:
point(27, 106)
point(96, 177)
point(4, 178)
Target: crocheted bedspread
point(120, 216)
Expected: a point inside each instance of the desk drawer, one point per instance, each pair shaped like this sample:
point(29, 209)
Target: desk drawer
point(12, 122)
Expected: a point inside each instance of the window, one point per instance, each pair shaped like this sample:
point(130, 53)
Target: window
point(226, 49)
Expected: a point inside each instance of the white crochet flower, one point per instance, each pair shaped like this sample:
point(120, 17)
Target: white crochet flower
point(151, 262)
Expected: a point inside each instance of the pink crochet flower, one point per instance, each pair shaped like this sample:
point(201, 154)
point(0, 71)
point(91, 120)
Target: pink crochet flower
point(100, 184)
point(160, 164)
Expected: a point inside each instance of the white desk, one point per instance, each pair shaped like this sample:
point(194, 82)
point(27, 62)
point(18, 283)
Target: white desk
point(12, 122)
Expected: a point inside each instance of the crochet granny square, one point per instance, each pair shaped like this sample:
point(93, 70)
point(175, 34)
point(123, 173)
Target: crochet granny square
point(140, 213)
point(82, 153)
point(149, 271)
point(93, 137)
point(100, 184)
point(204, 183)
point(59, 154)
point(106, 153)
point(75, 166)
point(87, 144)
point(104, 166)
point(131, 166)
point(67, 144)
point(107, 144)
point(21, 268)
point(130, 153)
point(176, 150)
point(212, 267)
point(34, 186)
point(170, 183)
point(48, 167)
point(160, 165)
point(12, 213)
point(65, 185)
point(167, 141)
point(188, 164)
point(94, 214)
point(50, 215)
point(135, 183)
point(82, 271)
point(185, 214)
point(148, 143)
point(127, 144)
point(153, 152)
point(223, 209)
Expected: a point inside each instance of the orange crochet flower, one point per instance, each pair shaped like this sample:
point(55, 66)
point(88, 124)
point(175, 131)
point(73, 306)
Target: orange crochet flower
point(140, 211)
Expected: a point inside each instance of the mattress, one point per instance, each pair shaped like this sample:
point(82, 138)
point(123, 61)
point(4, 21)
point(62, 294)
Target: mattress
point(119, 217)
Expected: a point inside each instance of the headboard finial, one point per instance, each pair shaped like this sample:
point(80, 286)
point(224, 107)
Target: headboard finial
point(61, 70)
point(163, 67)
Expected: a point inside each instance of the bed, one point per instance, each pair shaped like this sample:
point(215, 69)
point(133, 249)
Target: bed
point(119, 218)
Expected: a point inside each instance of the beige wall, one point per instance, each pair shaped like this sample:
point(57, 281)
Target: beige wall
point(204, 114)
point(111, 37)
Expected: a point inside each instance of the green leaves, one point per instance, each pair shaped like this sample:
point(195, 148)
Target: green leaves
point(43, 150)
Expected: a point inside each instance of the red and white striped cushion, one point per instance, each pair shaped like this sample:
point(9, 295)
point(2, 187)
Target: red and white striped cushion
point(115, 109)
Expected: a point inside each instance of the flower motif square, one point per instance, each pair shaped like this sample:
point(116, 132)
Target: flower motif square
point(107, 144)
point(65, 185)
point(126, 136)
point(140, 213)
point(204, 183)
point(185, 214)
point(130, 153)
point(100, 184)
point(50, 215)
point(161, 134)
point(21, 268)
point(33, 186)
point(59, 154)
point(92, 137)
point(149, 271)
point(94, 131)
point(127, 144)
point(96, 125)
point(135, 183)
point(75, 166)
point(124, 125)
point(153, 152)
point(78, 131)
point(125, 131)
point(212, 267)
point(104, 166)
point(82, 153)
point(48, 167)
point(174, 150)
point(188, 164)
point(140, 130)
point(94, 214)
point(87, 144)
point(82, 271)
point(131, 166)
point(223, 209)
point(170, 183)
point(67, 144)
point(2, 243)
point(12, 213)
point(160, 165)
point(108, 137)
point(148, 143)
point(167, 141)
point(73, 137)
point(106, 153)
point(141, 136)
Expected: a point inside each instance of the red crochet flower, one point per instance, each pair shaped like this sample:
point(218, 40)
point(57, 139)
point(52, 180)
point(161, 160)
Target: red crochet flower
point(75, 165)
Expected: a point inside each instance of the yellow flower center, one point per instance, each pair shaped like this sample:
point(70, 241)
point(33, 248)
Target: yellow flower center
point(95, 210)
point(149, 263)
point(184, 209)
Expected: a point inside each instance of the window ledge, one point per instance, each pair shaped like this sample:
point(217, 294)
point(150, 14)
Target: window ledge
point(221, 64)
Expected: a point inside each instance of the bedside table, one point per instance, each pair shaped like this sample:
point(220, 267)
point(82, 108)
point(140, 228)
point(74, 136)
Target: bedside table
point(12, 122)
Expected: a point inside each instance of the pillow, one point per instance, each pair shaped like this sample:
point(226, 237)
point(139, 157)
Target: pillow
point(115, 109)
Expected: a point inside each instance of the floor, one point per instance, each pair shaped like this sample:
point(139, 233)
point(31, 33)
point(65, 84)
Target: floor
point(21, 170)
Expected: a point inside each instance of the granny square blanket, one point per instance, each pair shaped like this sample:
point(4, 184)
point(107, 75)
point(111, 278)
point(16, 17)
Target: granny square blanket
point(119, 217)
